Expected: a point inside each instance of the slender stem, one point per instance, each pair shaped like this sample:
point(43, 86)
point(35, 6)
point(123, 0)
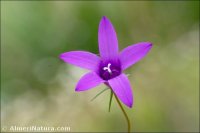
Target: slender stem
point(124, 112)
point(110, 102)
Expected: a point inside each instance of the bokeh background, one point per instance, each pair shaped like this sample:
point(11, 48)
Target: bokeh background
point(37, 88)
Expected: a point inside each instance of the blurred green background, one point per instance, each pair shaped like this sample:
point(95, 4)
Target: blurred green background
point(37, 88)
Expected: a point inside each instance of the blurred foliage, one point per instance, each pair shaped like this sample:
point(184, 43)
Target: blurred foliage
point(38, 88)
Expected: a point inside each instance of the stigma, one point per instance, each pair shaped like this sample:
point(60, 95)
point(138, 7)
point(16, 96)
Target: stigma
point(108, 68)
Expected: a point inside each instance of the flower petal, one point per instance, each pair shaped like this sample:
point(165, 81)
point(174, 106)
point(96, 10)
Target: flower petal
point(122, 88)
point(88, 81)
point(134, 53)
point(107, 38)
point(81, 58)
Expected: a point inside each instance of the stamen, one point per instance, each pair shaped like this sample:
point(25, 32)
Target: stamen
point(108, 68)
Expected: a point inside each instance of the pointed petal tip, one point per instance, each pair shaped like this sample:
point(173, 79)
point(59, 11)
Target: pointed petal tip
point(61, 56)
point(130, 105)
point(104, 17)
point(148, 44)
point(77, 90)
point(105, 20)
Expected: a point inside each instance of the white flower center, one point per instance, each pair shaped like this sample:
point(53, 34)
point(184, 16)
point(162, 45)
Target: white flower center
point(108, 68)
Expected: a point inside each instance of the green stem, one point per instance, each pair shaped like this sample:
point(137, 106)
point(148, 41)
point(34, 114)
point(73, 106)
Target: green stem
point(124, 112)
point(110, 102)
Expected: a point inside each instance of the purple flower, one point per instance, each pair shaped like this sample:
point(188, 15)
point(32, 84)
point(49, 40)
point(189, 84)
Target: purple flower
point(109, 67)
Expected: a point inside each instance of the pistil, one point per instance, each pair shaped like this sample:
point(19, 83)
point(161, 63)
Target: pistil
point(108, 68)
